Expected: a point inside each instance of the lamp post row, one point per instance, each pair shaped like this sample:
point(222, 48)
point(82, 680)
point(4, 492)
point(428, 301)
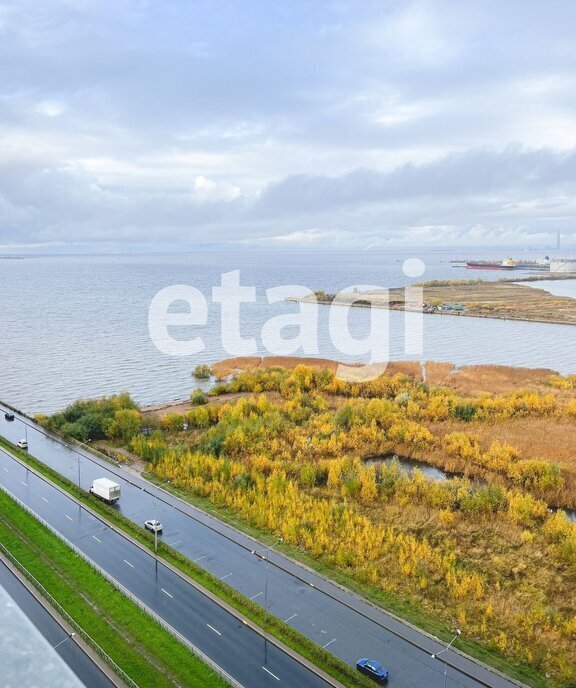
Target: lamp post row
point(266, 558)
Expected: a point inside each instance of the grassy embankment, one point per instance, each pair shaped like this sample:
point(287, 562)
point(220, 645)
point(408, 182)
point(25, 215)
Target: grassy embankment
point(292, 638)
point(146, 652)
point(282, 450)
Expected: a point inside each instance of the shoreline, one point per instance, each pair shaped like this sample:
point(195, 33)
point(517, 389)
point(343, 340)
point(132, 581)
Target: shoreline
point(297, 299)
point(501, 300)
point(478, 377)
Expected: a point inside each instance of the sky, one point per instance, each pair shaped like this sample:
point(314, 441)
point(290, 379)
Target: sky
point(289, 124)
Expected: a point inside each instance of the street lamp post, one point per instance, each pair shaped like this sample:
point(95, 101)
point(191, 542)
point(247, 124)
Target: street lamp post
point(155, 524)
point(78, 457)
point(155, 496)
point(70, 635)
point(165, 482)
point(266, 558)
point(437, 654)
point(145, 491)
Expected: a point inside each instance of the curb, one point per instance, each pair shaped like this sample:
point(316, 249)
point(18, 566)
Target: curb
point(190, 581)
point(66, 627)
point(233, 535)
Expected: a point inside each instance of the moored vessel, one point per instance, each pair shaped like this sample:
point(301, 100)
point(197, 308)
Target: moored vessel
point(508, 264)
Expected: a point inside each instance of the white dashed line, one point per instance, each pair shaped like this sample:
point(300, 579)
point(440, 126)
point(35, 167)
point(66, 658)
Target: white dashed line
point(173, 544)
point(69, 517)
point(129, 564)
point(202, 557)
point(7, 471)
point(97, 540)
point(23, 483)
point(290, 618)
point(226, 576)
point(256, 595)
point(330, 643)
point(44, 498)
point(167, 593)
point(271, 674)
point(213, 629)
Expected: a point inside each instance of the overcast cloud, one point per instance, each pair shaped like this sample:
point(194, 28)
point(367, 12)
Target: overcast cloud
point(290, 123)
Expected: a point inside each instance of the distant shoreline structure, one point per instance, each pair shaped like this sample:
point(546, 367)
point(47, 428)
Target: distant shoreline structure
point(546, 265)
point(503, 299)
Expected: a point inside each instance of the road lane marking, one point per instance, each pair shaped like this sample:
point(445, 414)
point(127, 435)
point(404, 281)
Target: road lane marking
point(290, 618)
point(7, 471)
point(129, 564)
point(226, 576)
point(69, 517)
point(271, 674)
point(44, 498)
point(167, 593)
point(23, 483)
point(213, 629)
point(330, 643)
point(173, 544)
point(256, 595)
point(97, 539)
point(202, 557)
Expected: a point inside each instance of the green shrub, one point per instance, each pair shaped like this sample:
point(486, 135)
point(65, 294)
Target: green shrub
point(93, 419)
point(198, 398)
point(202, 372)
point(125, 424)
point(465, 412)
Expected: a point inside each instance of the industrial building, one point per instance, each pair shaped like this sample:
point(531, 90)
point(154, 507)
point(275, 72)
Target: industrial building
point(561, 265)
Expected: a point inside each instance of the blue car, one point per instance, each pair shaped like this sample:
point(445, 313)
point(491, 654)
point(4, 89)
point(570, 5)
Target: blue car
point(374, 669)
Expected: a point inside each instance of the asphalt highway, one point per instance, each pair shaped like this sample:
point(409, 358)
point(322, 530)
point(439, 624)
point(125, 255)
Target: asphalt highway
point(74, 656)
point(343, 623)
point(236, 648)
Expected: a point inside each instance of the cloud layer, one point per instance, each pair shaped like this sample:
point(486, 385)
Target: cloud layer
point(286, 124)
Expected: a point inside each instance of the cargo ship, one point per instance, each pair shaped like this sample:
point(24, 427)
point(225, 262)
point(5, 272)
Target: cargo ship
point(540, 265)
point(508, 264)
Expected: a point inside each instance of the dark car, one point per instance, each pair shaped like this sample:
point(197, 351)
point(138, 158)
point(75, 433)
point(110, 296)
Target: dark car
point(9, 416)
point(374, 669)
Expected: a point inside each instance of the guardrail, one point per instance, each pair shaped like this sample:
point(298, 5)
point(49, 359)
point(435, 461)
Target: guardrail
point(159, 620)
point(54, 603)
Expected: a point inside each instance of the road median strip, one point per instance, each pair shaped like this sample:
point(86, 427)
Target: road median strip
point(298, 646)
point(145, 651)
point(81, 638)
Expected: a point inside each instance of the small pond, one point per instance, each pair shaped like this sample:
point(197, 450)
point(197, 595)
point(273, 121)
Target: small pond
point(408, 466)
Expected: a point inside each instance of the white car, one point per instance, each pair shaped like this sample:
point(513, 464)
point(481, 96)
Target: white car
point(23, 444)
point(153, 525)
